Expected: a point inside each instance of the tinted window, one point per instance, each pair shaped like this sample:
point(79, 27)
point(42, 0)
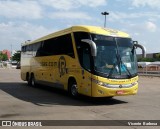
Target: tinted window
point(79, 36)
point(83, 49)
point(23, 48)
point(39, 49)
point(85, 57)
point(61, 45)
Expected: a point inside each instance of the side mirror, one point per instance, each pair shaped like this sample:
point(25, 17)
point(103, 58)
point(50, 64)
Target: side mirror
point(92, 45)
point(141, 47)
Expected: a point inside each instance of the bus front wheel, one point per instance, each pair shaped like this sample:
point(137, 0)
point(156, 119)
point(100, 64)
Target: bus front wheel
point(73, 90)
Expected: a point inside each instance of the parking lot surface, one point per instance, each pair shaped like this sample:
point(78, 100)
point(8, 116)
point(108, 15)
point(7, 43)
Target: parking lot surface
point(21, 102)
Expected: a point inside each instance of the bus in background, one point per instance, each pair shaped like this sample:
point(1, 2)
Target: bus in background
point(88, 60)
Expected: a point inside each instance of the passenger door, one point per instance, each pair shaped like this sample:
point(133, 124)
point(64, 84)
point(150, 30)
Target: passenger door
point(85, 60)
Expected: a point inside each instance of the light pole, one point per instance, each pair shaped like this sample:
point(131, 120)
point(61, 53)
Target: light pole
point(105, 13)
point(11, 51)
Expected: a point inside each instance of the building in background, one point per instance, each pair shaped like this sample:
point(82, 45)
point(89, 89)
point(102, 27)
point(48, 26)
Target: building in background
point(8, 53)
point(149, 55)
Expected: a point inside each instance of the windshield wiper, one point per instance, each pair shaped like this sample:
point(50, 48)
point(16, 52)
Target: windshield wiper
point(130, 75)
point(118, 60)
point(119, 63)
point(111, 71)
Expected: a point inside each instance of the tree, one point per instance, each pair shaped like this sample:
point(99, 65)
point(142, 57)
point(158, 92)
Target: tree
point(16, 56)
point(146, 60)
point(158, 56)
point(3, 57)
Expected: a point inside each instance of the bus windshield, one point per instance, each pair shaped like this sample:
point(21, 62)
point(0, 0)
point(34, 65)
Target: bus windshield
point(116, 57)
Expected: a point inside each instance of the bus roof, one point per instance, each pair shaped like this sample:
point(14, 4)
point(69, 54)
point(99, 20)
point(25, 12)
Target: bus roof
point(83, 28)
point(100, 30)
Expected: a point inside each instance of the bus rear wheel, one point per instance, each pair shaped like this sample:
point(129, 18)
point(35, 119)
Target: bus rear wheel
point(33, 81)
point(73, 89)
point(28, 80)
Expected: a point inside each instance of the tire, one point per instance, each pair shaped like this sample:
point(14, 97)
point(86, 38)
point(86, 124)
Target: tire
point(28, 80)
point(73, 89)
point(32, 81)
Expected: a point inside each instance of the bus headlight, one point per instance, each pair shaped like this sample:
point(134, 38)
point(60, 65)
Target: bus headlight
point(116, 85)
point(102, 83)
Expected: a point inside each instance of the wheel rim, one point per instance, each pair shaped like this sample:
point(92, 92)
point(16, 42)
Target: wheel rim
point(28, 80)
point(32, 82)
point(74, 90)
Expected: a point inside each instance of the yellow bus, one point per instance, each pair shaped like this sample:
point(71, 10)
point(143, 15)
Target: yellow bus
point(88, 60)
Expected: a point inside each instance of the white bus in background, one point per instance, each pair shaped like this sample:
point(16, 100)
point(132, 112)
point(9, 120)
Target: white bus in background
point(149, 67)
point(144, 64)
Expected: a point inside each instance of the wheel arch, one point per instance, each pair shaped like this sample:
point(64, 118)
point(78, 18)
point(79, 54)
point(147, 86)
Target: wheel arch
point(27, 76)
point(71, 79)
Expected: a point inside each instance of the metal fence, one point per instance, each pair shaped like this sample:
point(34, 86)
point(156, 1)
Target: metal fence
point(153, 69)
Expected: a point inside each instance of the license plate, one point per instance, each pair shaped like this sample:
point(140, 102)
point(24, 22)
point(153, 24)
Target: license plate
point(120, 92)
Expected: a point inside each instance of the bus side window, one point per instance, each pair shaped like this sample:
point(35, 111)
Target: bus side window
point(61, 45)
point(86, 57)
point(83, 49)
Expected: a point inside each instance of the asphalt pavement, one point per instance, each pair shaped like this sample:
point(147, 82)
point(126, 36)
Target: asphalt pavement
point(21, 102)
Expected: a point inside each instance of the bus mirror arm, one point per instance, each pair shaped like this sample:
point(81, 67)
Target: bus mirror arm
point(92, 45)
point(141, 47)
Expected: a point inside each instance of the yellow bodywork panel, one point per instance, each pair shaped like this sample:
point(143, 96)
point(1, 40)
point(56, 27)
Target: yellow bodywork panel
point(90, 29)
point(118, 87)
point(59, 68)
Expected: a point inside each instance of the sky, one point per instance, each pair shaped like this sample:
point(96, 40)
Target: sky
point(22, 20)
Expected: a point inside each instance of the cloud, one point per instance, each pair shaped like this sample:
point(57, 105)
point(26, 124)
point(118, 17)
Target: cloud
point(33, 31)
point(145, 32)
point(93, 3)
point(151, 26)
point(72, 4)
point(121, 15)
point(60, 4)
point(150, 3)
point(20, 9)
point(141, 28)
point(70, 15)
point(15, 34)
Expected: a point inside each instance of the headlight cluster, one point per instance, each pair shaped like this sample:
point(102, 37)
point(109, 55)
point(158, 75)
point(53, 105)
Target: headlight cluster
point(115, 85)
